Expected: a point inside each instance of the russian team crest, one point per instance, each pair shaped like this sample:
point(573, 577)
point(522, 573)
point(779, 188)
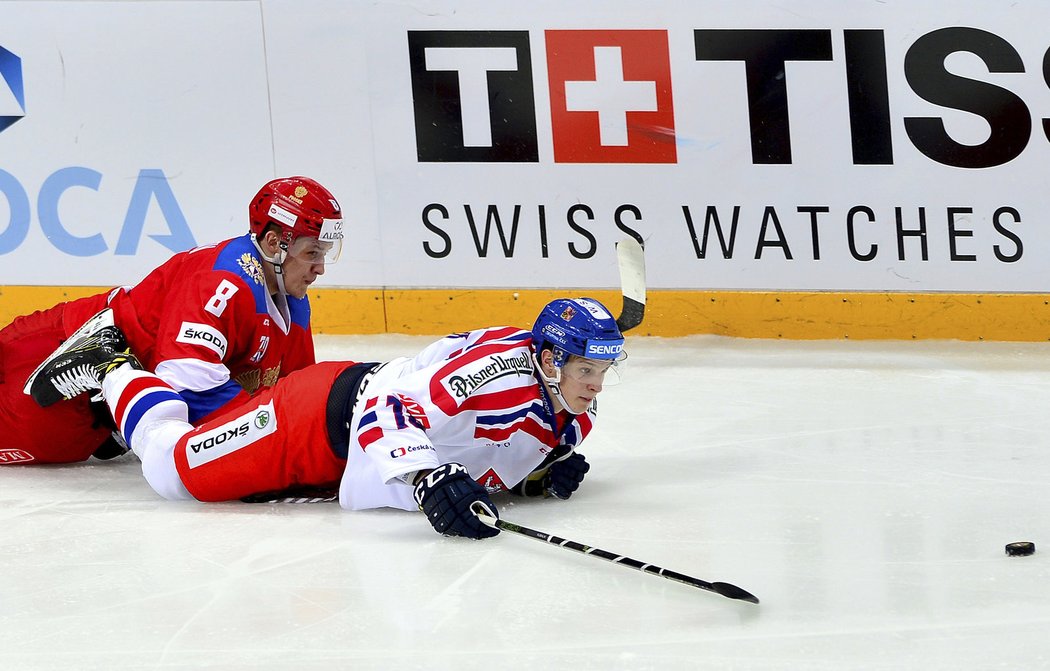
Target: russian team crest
point(251, 267)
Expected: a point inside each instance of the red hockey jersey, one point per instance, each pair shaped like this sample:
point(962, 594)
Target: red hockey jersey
point(205, 323)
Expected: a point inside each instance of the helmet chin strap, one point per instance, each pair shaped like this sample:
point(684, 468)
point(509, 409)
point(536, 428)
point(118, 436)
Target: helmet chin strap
point(554, 384)
point(277, 263)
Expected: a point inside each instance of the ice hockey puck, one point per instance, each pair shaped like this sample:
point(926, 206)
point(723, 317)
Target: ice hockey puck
point(1021, 549)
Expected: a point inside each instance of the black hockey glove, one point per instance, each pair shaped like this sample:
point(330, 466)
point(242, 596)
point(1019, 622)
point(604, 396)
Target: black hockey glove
point(564, 477)
point(445, 497)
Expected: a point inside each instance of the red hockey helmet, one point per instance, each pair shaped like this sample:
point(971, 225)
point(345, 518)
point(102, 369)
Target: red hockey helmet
point(301, 207)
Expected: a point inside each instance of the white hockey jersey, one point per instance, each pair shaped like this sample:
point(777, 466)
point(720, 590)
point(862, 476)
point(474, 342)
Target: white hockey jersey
point(472, 398)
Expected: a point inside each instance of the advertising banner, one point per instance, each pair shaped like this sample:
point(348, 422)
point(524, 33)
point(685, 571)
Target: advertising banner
point(128, 131)
point(810, 145)
point(814, 145)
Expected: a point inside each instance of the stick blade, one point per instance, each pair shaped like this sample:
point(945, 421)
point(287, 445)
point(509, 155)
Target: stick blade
point(733, 592)
point(631, 260)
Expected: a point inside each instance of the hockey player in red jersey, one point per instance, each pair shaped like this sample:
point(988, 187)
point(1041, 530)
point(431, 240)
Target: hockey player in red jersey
point(216, 324)
point(471, 415)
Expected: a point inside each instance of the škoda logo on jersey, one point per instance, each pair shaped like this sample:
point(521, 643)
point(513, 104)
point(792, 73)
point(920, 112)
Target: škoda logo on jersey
point(193, 333)
point(216, 438)
point(238, 433)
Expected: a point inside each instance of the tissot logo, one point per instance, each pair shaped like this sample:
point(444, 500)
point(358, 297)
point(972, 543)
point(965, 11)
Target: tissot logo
point(12, 93)
point(610, 94)
point(473, 96)
point(611, 102)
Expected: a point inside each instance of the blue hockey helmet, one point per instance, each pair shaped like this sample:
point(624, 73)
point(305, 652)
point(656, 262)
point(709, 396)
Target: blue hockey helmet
point(580, 326)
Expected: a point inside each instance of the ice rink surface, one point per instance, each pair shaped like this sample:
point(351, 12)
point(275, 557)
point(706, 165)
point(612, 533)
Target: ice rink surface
point(863, 491)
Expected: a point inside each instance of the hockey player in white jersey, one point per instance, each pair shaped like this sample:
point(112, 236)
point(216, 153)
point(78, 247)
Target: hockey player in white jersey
point(472, 415)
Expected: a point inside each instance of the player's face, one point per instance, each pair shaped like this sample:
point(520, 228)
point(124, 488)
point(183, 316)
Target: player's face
point(302, 267)
point(299, 274)
point(581, 381)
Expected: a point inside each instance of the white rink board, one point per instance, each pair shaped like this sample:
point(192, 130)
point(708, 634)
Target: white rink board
point(325, 88)
point(146, 131)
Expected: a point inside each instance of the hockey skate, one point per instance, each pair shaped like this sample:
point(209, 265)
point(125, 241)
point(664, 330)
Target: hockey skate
point(78, 366)
point(99, 321)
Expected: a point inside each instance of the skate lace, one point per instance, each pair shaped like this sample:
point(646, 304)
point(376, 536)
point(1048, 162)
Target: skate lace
point(77, 380)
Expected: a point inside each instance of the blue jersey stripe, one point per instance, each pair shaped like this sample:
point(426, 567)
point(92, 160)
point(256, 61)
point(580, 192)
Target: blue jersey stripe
point(143, 405)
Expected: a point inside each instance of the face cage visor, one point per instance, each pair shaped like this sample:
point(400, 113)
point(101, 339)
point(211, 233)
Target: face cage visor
point(597, 372)
point(322, 250)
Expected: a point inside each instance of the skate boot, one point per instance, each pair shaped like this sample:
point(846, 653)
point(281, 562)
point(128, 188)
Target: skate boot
point(79, 366)
point(98, 322)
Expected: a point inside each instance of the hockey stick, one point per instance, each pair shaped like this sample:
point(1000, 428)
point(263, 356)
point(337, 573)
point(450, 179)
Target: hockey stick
point(631, 261)
point(723, 588)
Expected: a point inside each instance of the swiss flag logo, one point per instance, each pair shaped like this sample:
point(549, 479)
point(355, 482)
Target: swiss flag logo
point(610, 93)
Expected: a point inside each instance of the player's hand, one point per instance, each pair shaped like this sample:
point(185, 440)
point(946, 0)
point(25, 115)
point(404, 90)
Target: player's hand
point(445, 496)
point(564, 477)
